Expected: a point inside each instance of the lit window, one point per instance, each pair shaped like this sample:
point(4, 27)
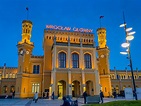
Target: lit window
point(12, 88)
point(124, 87)
point(62, 60)
point(6, 76)
point(5, 89)
point(87, 58)
point(36, 69)
point(75, 60)
point(35, 87)
point(14, 76)
point(10, 75)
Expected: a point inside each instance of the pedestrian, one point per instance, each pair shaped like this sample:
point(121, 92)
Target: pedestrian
point(13, 94)
point(114, 93)
point(85, 95)
point(66, 102)
point(47, 96)
point(43, 95)
point(53, 95)
point(101, 96)
point(35, 97)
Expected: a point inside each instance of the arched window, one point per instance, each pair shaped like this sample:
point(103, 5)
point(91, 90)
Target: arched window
point(62, 60)
point(75, 60)
point(87, 58)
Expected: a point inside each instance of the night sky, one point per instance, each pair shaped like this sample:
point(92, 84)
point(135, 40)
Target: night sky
point(71, 13)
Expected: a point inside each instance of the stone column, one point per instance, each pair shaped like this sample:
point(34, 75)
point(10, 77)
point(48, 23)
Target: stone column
point(97, 83)
point(82, 66)
point(69, 87)
point(53, 73)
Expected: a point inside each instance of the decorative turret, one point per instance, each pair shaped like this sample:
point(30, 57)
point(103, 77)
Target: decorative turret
point(25, 47)
point(101, 37)
point(103, 62)
point(26, 32)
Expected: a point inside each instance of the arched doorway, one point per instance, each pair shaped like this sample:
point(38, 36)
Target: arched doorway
point(61, 89)
point(75, 89)
point(89, 88)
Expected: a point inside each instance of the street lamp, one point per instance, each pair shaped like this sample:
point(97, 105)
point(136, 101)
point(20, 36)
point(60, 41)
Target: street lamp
point(129, 37)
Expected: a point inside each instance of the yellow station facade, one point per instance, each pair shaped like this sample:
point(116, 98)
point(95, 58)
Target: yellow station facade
point(71, 64)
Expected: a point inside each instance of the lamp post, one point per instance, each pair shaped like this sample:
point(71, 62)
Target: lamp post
point(129, 37)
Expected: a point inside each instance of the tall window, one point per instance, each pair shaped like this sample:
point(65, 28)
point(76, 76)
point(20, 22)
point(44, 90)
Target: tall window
point(35, 87)
point(12, 88)
point(75, 60)
point(62, 60)
point(36, 69)
point(5, 89)
point(87, 58)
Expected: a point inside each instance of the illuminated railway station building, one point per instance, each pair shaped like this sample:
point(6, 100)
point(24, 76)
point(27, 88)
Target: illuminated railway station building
point(71, 64)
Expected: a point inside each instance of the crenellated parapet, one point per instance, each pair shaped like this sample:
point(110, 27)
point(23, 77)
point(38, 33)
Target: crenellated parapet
point(37, 56)
point(75, 37)
point(8, 67)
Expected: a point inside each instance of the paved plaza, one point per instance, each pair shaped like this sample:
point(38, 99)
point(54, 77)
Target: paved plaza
point(43, 102)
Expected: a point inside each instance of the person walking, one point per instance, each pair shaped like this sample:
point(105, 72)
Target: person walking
point(47, 96)
point(43, 95)
point(53, 95)
point(101, 96)
point(13, 94)
point(36, 97)
point(85, 95)
point(114, 93)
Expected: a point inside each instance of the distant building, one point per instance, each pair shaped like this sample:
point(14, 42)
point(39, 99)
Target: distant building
point(71, 64)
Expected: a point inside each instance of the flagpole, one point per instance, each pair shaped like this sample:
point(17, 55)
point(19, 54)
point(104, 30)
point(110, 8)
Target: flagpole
point(100, 20)
point(27, 12)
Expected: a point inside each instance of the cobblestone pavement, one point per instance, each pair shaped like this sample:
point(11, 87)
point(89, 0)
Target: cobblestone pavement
point(44, 102)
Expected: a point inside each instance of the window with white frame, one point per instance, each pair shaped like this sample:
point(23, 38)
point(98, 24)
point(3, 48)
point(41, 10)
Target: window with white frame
point(35, 87)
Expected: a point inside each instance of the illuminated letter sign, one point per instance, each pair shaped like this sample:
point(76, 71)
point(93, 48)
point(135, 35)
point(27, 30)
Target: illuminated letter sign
point(69, 28)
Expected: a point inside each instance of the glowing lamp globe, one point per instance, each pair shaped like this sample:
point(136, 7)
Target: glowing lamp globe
point(131, 33)
point(122, 25)
point(123, 53)
point(128, 29)
point(125, 45)
point(130, 37)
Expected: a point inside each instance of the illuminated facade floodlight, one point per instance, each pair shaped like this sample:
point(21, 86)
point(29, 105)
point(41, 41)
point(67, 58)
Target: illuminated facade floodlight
point(128, 29)
point(130, 37)
point(125, 45)
point(131, 33)
point(122, 25)
point(123, 53)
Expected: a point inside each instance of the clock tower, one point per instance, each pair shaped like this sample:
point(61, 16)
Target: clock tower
point(103, 62)
point(25, 47)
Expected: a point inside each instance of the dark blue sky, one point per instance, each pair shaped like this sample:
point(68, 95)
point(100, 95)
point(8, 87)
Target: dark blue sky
point(73, 13)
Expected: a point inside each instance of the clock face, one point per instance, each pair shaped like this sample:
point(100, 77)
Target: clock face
point(102, 56)
point(27, 52)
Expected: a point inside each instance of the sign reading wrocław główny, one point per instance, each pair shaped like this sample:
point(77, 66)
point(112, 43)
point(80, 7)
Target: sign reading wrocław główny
point(69, 28)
